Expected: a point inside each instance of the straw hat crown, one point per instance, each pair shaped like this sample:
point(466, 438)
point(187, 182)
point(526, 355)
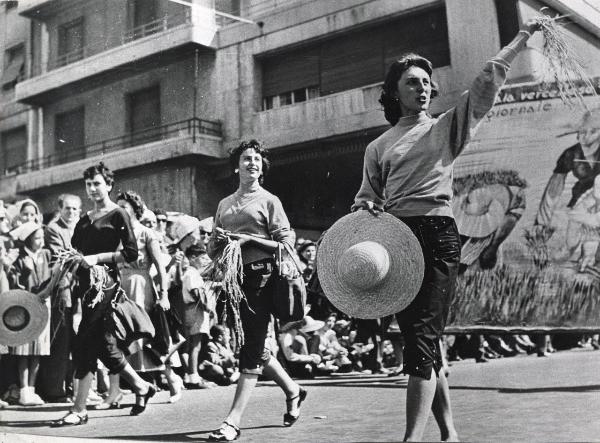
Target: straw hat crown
point(368, 266)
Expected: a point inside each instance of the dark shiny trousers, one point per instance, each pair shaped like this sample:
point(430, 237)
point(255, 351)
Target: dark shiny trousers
point(422, 323)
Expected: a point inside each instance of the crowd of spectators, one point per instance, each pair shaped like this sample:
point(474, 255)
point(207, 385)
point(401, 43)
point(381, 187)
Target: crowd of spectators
point(174, 247)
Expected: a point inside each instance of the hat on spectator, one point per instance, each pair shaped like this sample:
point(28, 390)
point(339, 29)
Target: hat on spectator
point(148, 215)
point(309, 324)
point(370, 266)
point(23, 317)
point(206, 224)
point(184, 225)
point(23, 231)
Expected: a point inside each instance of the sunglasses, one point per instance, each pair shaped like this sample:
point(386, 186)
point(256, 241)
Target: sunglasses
point(202, 232)
point(161, 220)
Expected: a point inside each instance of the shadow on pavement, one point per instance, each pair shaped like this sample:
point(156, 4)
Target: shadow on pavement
point(182, 436)
point(528, 390)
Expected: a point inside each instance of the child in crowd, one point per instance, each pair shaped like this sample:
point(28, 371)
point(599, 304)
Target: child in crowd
point(220, 365)
point(199, 308)
point(28, 272)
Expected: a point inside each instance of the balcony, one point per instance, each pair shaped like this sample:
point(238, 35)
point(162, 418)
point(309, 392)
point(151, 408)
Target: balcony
point(336, 114)
point(188, 137)
point(151, 39)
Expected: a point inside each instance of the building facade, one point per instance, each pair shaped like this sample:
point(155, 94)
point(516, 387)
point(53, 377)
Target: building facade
point(160, 91)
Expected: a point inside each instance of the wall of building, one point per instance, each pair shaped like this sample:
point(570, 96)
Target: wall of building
point(106, 108)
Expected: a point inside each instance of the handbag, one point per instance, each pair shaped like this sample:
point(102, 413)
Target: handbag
point(131, 321)
point(289, 293)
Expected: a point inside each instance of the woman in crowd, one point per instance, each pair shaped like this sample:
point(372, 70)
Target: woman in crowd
point(139, 286)
point(408, 173)
point(307, 252)
point(98, 236)
point(28, 272)
point(255, 218)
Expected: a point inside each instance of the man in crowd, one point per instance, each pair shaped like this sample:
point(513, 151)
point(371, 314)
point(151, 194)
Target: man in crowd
point(55, 377)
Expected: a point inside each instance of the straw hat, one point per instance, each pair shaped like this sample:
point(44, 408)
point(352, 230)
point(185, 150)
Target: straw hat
point(184, 225)
point(368, 266)
point(477, 213)
point(23, 317)
point(309, 324)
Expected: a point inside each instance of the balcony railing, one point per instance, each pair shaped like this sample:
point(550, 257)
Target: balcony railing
point(160, 25)
point(193, 127)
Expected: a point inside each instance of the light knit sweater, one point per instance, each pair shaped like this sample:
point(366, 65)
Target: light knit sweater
point(408, 169)
point(258, 213)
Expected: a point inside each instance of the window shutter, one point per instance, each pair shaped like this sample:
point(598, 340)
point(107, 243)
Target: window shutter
point(351, 61)
point(293, 70)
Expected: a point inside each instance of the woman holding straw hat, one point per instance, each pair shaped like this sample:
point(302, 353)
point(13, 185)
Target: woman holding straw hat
point(408, 173)
point(98, 236)
point(255, 219)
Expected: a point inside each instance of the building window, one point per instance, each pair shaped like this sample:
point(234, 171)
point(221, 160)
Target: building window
point(10, 4)
point(508, 20)
point(143, 16)
point(14, 66)
point(290, 97)
point(14, 150)
point(69, 136)
point(71, 42)
point(354, 59)
point(143, 115)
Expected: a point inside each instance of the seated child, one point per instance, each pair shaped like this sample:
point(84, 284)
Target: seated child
point(220, 364)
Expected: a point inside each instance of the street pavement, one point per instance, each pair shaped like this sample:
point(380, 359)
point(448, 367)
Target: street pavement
point(524, 398)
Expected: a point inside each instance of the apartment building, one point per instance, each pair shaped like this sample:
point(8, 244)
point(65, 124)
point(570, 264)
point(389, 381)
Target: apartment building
point(160, 91)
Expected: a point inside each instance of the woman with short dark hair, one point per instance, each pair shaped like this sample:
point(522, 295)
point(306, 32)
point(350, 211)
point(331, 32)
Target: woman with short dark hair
point(255, 218)
point(98, 236)
point(408, 173)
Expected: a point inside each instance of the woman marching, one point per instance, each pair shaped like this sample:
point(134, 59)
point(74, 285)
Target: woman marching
point(255, 218)
point(97, 236)
point(408, 173)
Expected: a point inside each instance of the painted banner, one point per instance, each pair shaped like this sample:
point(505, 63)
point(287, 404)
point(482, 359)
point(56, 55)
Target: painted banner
point(527, 204)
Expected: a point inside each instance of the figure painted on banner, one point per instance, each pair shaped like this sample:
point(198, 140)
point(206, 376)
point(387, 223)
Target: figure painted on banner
point(582, 160)
point(583, 229)
point(487, 207)
point(408, 172)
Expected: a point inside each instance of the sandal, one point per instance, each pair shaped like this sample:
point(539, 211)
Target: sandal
point(289, 419)
point(71, 419)
point(141, 401)
point(227, 432)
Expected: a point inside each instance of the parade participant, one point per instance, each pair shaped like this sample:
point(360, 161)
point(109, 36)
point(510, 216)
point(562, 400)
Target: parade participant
point(408, 173)
point(55, 377)
point(255, 218)
point(28, 272)
point(139, 286)
point(98, 235)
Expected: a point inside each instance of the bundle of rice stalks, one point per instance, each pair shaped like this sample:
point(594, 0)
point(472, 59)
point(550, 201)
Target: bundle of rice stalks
point(562, 62)
point(228, 268)
point(536, 240)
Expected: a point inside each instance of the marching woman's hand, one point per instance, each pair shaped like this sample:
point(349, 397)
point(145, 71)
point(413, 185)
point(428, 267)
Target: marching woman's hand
point(89, 260)
point(532, 25)
point(241, 238)
point(221, 235)
point(164, 303)
point(370, 206)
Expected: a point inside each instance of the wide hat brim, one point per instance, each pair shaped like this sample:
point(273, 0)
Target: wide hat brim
point(477, 225)
point(23, 317)
point(390, 295)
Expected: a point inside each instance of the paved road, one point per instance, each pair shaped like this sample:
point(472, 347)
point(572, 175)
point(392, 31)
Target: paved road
point(524, 398)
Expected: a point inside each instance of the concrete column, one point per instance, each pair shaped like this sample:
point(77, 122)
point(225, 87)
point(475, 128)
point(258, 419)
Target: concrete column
point(473, 35)
point(44, 48)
